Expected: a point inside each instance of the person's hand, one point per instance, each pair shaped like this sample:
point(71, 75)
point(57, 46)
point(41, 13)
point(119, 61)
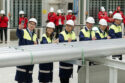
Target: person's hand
point(35, 42)
point(94, 38)
point(21, 26)
point(56, 41)
point(108, 37)
point(123, 36)
point(69, 40)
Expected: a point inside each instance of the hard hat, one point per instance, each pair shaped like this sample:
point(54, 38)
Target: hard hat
point(33, 20)
point(50, 25)
point(95, 29)
point(102, 9)
point(103, 22)
point(51, 9)
point(70, 22)
point(90, 20)
point(2, 12)
point(117, 16)
point(110, 12)
point(69, 11)
point(59, 11)
point(21, 12)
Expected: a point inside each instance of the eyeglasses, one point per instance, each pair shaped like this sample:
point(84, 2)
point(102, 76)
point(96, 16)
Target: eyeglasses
point(32, 24)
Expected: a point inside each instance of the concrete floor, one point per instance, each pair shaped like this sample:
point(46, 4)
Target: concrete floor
point(7, 74)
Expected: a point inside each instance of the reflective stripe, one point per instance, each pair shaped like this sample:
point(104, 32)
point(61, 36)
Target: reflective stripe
point(64, 67)
point(23, 70)
point(44, 71)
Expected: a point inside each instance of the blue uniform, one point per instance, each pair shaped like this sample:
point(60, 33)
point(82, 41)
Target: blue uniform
point(46, 69)
point(115, 31)
point(101, 35)
point(65, 69)
point(86, 34)
point(24, 73)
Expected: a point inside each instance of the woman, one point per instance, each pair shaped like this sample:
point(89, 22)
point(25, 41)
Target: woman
point(3, 25)
point(46, 69)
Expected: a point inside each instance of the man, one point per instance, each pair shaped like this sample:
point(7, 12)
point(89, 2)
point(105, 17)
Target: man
point(51, 16)
point(26, 37)
point(103, 14)
point(70, 16)
point(68, 35)
point(3, 25)
point(86, 33)
point(118, 10)
point(22, 19)
point(115, 30)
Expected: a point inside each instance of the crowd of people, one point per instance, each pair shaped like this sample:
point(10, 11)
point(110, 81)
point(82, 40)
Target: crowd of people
point(55, 23)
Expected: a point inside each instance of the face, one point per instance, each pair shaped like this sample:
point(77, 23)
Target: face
point(89, 25)
point(22, 15)
point(31, 26)
point(49, 31)
point(69, 28)
point(118, 22)
point(70, 13)
point(103, 27)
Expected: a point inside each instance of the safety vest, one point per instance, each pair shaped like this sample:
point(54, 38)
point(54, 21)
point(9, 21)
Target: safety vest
point(116, 29)
point(27, 36)
point(69, 35)
point(87, 33)
point(102, 35)
point(47, 38)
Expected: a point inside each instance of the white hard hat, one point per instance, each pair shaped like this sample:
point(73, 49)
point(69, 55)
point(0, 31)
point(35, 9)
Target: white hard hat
point(69, 11)
point(21, 12)
point(110, 12)
point(95, 29)
point(2, 12)
point(51, 9)
point(117, 16)
point(70, 22)
point(103, 22)
point(50, 25)
point(59, 11)
point(33, 20)
point(90, 20)
point(102, 9)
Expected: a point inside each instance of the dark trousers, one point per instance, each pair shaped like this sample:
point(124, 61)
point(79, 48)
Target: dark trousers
point(64, 80)
point(58, 30)
point(5, 33)
point(117, 56)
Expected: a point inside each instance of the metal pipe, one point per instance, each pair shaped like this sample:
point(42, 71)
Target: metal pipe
point(26, 55)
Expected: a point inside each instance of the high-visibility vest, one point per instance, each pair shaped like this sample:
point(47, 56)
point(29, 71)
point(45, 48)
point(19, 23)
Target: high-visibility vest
point(102, 35)
point(47, 38)
point(87, 33)
point(69, 35)
point(27, 36)
point(116, 29)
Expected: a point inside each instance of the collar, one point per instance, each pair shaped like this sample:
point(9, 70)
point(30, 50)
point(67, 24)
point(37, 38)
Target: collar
point(86, 28)
point(29, 30)
point(67, 32)
point(116, 25)
point(101, 31)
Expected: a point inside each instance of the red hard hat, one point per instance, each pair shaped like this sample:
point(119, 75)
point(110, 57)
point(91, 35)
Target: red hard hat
point(118, 8)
